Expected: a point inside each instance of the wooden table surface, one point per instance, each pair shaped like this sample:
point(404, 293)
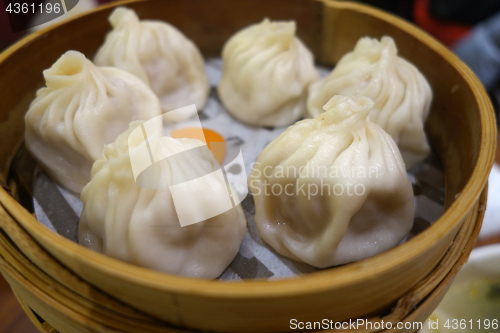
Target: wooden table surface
point(13, 319)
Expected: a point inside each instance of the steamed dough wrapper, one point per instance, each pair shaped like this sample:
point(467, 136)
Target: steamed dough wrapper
point(160, 55)
point(401, 93)
point(82, 108)
point(140, 224)
point(333, 189)
point(266, 74)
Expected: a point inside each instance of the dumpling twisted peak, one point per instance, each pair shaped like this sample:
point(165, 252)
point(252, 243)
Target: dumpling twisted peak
point(123, 18)
point(266, 72)
point(344, 111)
point(333, 189)
point(278, 35)
point(82, 108)
point(160, 55)
point(401, 94)
point(68, 69)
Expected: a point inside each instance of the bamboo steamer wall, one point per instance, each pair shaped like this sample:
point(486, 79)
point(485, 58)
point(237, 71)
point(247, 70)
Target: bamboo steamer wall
point(461, 128)
point(60, 311)
point(67, 311)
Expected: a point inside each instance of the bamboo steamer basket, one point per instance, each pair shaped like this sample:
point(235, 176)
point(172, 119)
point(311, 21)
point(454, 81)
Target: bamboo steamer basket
point(461, 128)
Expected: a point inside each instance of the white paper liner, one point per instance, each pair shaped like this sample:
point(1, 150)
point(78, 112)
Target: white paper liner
point(59, 209)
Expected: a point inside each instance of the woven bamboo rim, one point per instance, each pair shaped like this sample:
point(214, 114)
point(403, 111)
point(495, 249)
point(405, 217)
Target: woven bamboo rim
point(21, 260)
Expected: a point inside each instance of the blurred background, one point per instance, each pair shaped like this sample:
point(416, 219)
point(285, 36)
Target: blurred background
point(470, 28)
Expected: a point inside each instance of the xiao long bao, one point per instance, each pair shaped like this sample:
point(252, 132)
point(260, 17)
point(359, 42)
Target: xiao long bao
point(82, 108)
point(401, 93)
point(317, 199)
point(139, 223)
point(160, 55)
point(265, 75)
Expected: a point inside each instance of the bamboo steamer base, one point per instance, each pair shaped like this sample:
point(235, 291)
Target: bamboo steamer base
point(43, 327)
point(67, 311)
